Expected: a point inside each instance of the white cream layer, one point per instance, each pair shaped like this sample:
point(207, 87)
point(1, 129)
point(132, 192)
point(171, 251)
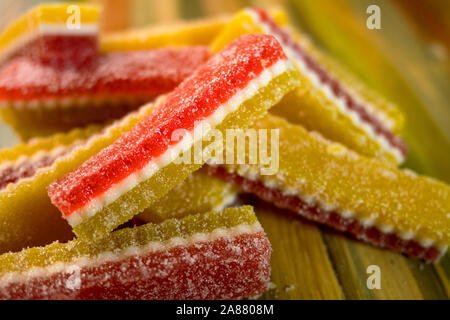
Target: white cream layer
point(329, 94)
point(199, 132)
point(252, 174)
point(107, 257)
point(45, 29)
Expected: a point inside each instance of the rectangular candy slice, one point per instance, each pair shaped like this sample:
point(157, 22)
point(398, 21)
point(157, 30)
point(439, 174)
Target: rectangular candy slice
point(27, 217)
point(53, 33)
point(36, 98)
point(370, 199)
point(217, 255)
point(199, 193)
point(231, 90)
point(182, 33)
point(328, 100)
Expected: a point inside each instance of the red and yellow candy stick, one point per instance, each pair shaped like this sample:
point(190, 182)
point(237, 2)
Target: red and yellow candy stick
point(53, 33)
point(199, 193)
point(27, 218)
point(181, 33)
point(370, 199)
point(328, 100)
point(231, 90)
point(217, 255)
point(37, 98)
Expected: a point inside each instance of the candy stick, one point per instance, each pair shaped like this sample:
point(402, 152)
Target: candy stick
point(38, 98)
point(181, 33)
point(27, 217)
point(328, 100)
point(330, 184)
point(198, 193)
point(231, 90)
point(36, 222)
point(217, 255)
point(53, 33)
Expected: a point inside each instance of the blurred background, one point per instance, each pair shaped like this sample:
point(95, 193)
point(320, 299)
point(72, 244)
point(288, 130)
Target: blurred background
point(407, 61)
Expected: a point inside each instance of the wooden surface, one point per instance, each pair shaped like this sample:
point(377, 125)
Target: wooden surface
point(408, 61)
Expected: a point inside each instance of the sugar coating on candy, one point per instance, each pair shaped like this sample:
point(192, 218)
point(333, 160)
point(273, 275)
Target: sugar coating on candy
point(27, 217)
point(198, 193)
point(216, 255)
point(198, 97)
point(342, 184)
point(43, 32)
point(144, 74)
point(365, 124)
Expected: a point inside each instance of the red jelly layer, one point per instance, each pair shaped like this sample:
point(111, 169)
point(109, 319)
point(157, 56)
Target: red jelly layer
point(193, 100)
point(227, 268)
point(327, 80)
point(61, 50)
point(333, 219)
point(133, 74)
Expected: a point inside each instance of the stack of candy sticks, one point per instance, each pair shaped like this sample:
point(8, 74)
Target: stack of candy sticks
point(103, 208)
